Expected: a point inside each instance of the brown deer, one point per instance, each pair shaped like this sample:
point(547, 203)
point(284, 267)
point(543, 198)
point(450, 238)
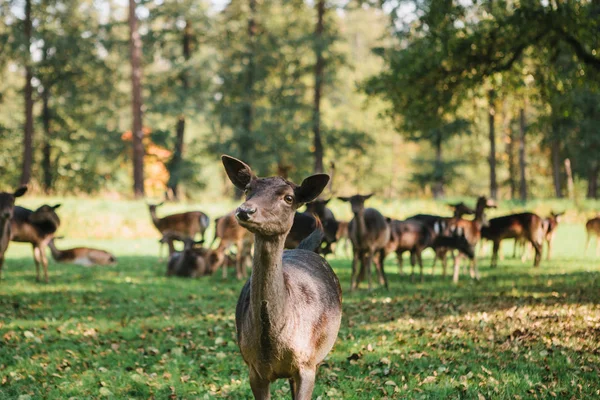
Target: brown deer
point(592, 228)
point(186, 224)
point(289, 312)
point(549, 227)
point(230, 232)
point(472, 232)
point(524, 225)
point(7, 206)
point(412, 236)
point(38, 228)
point(330, 224)
point(369, 233)
point(341, 235)
point(84, 256)
point(192, 261)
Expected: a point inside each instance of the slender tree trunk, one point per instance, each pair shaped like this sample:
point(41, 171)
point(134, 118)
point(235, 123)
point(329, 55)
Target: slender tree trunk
point(28, 92)
point(592, 192)
point(46, 161)
point(492, 160)
point(135, 48)
point(570, 183)
point(438, 187)
point(522, 161)
point(555, 154)
point(510, 152)
point(175, 164)
point(319, 74)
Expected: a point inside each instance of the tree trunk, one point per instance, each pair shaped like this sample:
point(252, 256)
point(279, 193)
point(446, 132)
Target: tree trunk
point(570, 183)
point(438, 187)
point(319, 72)
point(555, 154)
point(46, 162)
point(522, 164)
point(135, 48)
point(510, 152)
point(592, 192)
point(176, 160)
point(28, 92)
point(492, 160)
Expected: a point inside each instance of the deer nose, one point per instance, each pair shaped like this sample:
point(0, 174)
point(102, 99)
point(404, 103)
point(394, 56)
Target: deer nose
point(243, 213)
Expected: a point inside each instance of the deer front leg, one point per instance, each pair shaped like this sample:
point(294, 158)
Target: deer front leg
point(495, 254)
point(44, 262)
point(400, 262)
point(456, 269)
point(259, 386)
point(304, 384)
point(238, 261)
point(367, 260)
point(353, 283)
point(1, 264)
point(37, 259)
point(380, 265)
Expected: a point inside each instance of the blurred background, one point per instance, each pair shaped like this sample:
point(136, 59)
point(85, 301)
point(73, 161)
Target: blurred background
point(408, 99)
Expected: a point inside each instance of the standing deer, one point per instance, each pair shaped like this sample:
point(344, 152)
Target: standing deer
point(369, 233)
point(38, 228)
point(7, 206)
point(524, 225)
point(330, 224)
point(549, 226)
point(230, 232)
point(186, 224)
point(289, 312)
point(592, 227)
point(412, 236)
point(84, 256)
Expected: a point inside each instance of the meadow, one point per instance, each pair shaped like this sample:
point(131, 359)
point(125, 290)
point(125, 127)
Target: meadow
point(129, 332)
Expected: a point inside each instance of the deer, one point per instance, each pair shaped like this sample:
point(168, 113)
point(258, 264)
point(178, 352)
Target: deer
point(186, 224)
point(549, 227)
point(84, 256)
point(38, 228)
point(330, 224)
point(341, 234)
point(515, 226)
point(289, 311)
point(592, 228)
point(304, 224)
point(230, 232)
point(7, 207)
point(472, 232)
point(412, 236)
point(369, 233)
point(192, 261)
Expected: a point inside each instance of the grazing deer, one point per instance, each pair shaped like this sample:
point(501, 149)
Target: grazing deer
point(549, 227)
point(84, 256)
point(186, 224)
point(230, 232)
point(592, 228)
point(7, 206)
point(472, 232)
point(36, 227)
point(192, 261)
point(515, 226)
point(369, 233)
point(289, 312)
point(412, 236)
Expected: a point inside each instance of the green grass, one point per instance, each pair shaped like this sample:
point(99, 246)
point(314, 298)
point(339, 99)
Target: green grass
point(129, 332)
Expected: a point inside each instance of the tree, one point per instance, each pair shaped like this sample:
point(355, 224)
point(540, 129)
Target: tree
point(135, 44)
point(319, 76)
point(28, 94)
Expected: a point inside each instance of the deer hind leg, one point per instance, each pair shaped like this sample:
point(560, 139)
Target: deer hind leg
point(259, 386)
point(37, 258)
point(367, 261)
point(354, 277)
point(420, 260)
point(380, 265)
point(238, 261)
point(474, 270)
point(304, 384)
point(548, 255)
point(444, 266)
point(44, 262)
point(400, 262)
point(1, 264)
point(456, 269)
point(495, 250)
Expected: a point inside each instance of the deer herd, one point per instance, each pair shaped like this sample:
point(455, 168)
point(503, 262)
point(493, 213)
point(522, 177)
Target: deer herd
point(289, 311)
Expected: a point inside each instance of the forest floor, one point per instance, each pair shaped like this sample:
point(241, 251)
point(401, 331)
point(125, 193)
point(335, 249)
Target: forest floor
point(130, 332)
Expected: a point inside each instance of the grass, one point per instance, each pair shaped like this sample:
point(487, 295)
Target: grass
point(129, 332)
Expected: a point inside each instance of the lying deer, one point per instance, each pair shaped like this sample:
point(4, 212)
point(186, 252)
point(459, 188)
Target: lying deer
point(7, 206)
point(84, 256)
point(515, 226)
point(369, 233)
point(38, 228)
point(289, 312)
point(592, 228)
point(187, 224)
point(230, 232)
point(192, 261)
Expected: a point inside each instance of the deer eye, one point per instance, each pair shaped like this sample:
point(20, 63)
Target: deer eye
point(288, 199)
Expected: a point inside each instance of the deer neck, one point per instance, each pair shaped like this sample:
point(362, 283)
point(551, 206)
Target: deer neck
point(56, 253)
point(361, 226)
point(155, 219)
point(4, 230)
point(268, 297)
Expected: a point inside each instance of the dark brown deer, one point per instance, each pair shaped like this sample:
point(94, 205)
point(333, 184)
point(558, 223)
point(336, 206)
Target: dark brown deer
point(192, 261)
point(369, 233)
point(7, 206)
point(230, 232)
point(412, 236)
point(289, 312)
point(38, 228)
point(330, 224)
point(84, 256)
point(187, 224)
point(592, 228)
point(524, 225)
point(472, 232)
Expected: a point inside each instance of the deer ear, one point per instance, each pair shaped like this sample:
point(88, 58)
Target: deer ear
point(327, 201)
point(55, 206)
point(311, 188)
point(367, 196)
point(344, 199)
point(238, 172)
point(20, 191)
